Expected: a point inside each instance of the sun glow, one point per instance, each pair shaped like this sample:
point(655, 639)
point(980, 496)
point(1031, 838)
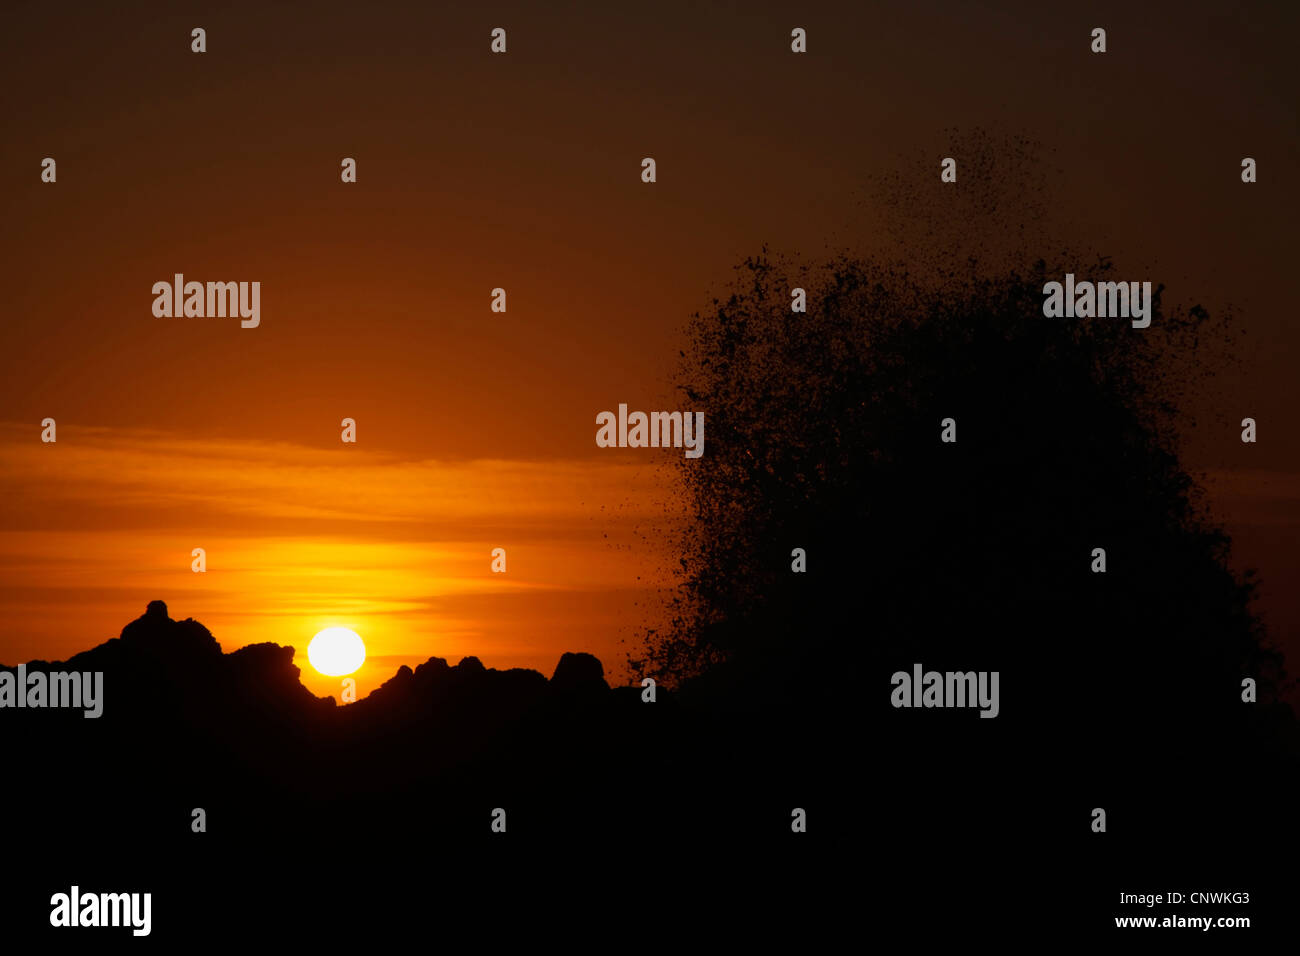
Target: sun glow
point(336, 651)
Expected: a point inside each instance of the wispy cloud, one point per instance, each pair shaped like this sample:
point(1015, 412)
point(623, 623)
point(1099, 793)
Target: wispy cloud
point(105, 471)
point(298, 538)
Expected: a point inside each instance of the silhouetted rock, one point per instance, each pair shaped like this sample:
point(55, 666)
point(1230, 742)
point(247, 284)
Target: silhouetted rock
point(432, 672)
point(469, 665)
point(156, 635)
point(579, 671)
point(399, 681)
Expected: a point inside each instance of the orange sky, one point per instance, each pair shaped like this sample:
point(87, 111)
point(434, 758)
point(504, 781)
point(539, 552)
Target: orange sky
point(522, 171)
point(298, 539)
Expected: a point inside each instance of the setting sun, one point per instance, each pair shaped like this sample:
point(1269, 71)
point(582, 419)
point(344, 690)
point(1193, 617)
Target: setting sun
point(336, 651)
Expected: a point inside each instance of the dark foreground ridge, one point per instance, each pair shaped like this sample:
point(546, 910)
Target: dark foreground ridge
point(694, 790)
point(386, 805)
point(185, 726)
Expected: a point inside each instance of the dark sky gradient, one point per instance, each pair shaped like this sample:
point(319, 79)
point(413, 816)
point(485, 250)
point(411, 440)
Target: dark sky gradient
point(522, 171)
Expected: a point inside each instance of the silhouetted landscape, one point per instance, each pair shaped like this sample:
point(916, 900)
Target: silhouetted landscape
point(1120, 689)
point(614, 476)
point(238, 735)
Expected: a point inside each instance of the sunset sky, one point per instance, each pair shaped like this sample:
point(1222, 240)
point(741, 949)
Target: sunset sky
point(476, 429)
point(298, 539)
